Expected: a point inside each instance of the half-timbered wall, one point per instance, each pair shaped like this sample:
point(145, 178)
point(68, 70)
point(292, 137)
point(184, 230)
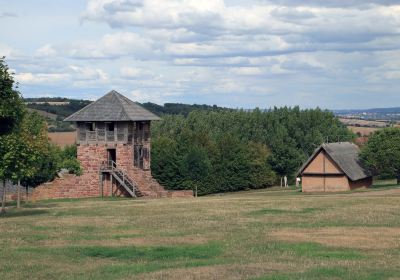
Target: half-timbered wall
point(113, 132)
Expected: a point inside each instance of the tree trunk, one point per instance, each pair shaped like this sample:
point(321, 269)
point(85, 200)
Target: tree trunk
point(19, 194)
point(281, 182)
point(3, 201)
point(398, 179)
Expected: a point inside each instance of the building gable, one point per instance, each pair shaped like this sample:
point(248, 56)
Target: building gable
point(343, 155)
point(322, 163)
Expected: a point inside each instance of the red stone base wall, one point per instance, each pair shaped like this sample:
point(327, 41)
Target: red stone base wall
point(92, 157)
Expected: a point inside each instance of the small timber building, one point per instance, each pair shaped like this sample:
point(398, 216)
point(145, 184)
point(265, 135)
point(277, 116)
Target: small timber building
point(334, 167)
point(113, 147)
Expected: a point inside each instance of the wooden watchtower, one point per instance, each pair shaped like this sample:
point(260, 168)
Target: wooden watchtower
point(113, 144)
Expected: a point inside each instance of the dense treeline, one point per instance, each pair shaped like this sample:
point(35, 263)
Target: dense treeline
point(222, 151)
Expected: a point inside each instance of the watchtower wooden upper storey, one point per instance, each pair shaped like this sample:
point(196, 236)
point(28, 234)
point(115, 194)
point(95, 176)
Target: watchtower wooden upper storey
point(115, 121)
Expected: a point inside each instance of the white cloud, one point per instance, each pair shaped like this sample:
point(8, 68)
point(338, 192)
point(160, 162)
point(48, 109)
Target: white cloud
point(206, 51)
point(8, 51)
point(87, 73)
point(141, 96)
point(46, 51)
point(41, 78)
point(135, 73)
point(112, 46)
point(247, 71)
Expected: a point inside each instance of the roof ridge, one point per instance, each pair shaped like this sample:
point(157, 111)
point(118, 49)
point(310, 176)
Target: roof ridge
point(113, 106)
point(88, 106)
point(119, 95)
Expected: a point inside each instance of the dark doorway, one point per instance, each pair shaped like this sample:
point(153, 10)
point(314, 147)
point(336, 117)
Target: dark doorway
point(112, 155)
point(138, 156)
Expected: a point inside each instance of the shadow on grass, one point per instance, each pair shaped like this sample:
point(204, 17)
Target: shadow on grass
point(273, 211)
point(23, 213)
point(38, 205)
point(78, 200)
point(384, 186)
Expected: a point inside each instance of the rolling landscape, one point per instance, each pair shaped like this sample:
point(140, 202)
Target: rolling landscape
point(191, 140)
point(54, 110)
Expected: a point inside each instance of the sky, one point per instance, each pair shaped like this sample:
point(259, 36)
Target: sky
point(242, 54)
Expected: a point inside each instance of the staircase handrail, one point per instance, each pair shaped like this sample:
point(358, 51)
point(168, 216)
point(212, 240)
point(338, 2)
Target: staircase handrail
point(114, 166)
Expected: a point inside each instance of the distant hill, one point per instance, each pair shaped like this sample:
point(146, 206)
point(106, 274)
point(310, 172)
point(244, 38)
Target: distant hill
point(388, 114)
point(55, 109)
point(62, 107)
point(178, 108)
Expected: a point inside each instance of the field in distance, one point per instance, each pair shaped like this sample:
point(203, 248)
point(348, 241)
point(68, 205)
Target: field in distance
point(63, 138)
point(265, 234)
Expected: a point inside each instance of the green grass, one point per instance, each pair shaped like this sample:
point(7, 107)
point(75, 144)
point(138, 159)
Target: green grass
point(272, 211)
point(132, 253)
point(263, 234)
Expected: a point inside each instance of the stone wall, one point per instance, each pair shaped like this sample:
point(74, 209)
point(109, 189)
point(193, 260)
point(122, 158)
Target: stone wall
point(92, 157)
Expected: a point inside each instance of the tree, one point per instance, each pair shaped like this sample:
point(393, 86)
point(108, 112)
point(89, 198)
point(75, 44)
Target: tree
point(11, 113)
point(67, 159)
point(165, 162)
point(19, 160)
point(196, 165)
point(261, 174)
point(381, 154)
point(11, 105)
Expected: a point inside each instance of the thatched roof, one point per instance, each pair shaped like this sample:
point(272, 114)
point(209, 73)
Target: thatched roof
point(345, 155)
point(112, 107)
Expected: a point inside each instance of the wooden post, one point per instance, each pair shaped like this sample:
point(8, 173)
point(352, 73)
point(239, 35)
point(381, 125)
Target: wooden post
point(196, 190)
point(19, 194)
point(101, 183)
point(115, 132)
point(3, 201)
point(324, 169)
point(112, 185)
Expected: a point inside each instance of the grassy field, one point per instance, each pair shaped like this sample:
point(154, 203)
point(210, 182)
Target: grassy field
point(266, 234)
point(63, 138)
point(363, 131)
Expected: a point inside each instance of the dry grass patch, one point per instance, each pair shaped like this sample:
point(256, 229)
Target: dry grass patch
point(344, 237)
point(278, 234)
point(236, 272)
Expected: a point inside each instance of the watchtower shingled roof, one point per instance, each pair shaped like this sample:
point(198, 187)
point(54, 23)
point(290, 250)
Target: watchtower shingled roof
point(112, 107)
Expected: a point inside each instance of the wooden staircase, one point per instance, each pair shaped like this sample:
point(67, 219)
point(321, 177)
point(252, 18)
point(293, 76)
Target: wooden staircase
point(122, 177)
